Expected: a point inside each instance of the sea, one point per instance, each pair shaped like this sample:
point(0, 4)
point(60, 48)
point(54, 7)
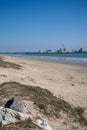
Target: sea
point(79, 58)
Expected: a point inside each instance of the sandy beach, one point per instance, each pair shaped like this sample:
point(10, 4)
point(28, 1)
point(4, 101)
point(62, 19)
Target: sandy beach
point(65, 81)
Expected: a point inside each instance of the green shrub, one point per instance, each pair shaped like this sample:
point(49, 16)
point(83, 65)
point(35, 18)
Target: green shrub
point(79, 110)
point(41, 106)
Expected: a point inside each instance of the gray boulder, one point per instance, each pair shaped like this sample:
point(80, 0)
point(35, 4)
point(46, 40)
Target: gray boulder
point(15, 110)
point(8, 116)
point(43, 124)
point(17, 104)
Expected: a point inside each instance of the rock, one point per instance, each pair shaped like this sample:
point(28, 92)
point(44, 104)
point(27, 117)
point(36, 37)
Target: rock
point(43, 124)
point(16, 110)
point(8, 116)
point(17, 104)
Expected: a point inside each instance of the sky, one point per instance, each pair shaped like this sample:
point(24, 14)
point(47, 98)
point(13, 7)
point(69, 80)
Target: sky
point(32, 25)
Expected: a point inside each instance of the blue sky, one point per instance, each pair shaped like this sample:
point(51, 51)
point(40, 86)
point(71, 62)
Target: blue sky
point(32, 25)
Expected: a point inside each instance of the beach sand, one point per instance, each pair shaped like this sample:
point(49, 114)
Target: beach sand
point(65, 81)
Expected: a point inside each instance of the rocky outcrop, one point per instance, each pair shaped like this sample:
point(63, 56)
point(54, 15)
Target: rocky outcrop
point(16, 104)
point(8, 116)
point(15, 110)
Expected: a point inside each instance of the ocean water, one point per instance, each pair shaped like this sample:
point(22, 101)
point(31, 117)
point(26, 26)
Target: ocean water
point(80, 58)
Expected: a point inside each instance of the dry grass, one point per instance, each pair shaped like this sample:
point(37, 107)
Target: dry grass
point(24, 125)
point(6, 64)
point(47, 103)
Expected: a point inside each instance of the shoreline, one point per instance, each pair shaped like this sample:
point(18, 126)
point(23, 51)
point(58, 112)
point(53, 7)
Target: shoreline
point(66, 58)
point(67, 81)
point(59, 61)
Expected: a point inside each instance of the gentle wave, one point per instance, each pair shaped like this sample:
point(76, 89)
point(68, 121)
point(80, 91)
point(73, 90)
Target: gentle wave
point(76, 58)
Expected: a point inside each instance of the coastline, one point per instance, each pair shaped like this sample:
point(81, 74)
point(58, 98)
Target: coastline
point(60, 60)
point(68, 81)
